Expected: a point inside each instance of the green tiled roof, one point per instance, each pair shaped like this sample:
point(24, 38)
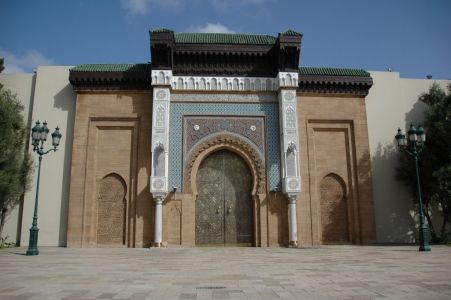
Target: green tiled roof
point(224, 38)
point(112, 68)
point(161, 29)
point(333, 72)
point(290, 32)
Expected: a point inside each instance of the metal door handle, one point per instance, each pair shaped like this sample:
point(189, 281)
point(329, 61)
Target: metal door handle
point(229, 210)
point(218, 210)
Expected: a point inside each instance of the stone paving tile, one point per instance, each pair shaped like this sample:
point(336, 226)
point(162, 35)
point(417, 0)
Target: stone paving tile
point(332, 272)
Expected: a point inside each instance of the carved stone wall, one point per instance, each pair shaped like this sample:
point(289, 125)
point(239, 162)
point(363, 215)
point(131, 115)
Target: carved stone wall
point(277, 219)
point(334, 210)
point(111, 211)
point(111, 137)
point(335, 141)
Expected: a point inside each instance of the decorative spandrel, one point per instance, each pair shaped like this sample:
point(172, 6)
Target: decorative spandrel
point(252, 128)
point(268, 111)
point(224, 207)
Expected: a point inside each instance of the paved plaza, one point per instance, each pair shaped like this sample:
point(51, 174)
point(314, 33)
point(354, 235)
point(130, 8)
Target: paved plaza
point(326, 272)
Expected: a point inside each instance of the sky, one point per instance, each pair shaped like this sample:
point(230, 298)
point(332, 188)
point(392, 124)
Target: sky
point(412, 37)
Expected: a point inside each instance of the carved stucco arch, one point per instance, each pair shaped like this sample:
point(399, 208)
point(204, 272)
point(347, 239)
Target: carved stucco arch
point(227, 141)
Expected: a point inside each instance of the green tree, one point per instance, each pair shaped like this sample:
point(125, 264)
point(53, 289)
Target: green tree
point(435, 161)
point(15, 167)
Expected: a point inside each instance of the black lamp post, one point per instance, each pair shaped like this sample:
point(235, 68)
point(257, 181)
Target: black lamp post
point(414, 146)
point(39, 136)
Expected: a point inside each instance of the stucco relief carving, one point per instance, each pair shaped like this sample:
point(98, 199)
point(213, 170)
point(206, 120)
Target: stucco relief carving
point(111, 210)
point(161, 77)
point(232, 98)
point(287, 79)
point(160, 137)
point(289, 134)
point(289, 96)
point(160, 118)
point(290, 118)
point(231, 142)
point(206, 83)
point(161, 94)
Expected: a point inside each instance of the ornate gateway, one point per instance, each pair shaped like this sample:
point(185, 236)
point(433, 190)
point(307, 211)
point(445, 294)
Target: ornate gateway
point(233, 141)
point(224, 206)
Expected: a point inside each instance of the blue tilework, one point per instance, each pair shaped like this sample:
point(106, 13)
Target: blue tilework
point(178, 110)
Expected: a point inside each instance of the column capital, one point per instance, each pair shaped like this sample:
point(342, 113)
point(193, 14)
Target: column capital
point(292, 199)
point(158, 199)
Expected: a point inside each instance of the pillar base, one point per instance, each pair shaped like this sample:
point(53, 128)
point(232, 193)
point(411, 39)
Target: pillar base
point(293, 244)
point(159, 245)
point(33, 244)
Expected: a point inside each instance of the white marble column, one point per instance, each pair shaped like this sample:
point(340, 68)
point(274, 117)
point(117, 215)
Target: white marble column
point(158, 221)
point(293, 221)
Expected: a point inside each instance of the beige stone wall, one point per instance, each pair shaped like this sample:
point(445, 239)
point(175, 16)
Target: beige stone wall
point(334, 144)
point(23, 86)
point(392, 102)
point(112, 136)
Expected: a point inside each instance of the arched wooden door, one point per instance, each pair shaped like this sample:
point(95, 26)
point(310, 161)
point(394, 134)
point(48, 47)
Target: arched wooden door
point(224, 212)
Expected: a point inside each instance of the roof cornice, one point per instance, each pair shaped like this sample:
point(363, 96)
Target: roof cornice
point(111, 77)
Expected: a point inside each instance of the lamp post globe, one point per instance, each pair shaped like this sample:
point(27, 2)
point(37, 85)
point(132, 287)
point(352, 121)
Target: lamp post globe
point(39, 136)
point(414, 147)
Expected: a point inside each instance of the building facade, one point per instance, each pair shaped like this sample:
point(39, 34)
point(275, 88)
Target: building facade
point(223, 133)
point(222, 140)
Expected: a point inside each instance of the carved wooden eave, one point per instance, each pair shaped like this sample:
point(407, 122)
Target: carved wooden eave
point(354, 85)
point(110, 80)
point(224, 54)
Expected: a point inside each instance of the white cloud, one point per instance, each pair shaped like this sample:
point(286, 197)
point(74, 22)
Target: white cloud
point(24, 63)
point(135, 7)
point(223, 5)
point(140, 7)
point(210, 28)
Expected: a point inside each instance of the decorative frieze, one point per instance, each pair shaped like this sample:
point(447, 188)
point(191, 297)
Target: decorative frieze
point(287, 79)
point(224, 98)
point(205, 83)
point(161, 77)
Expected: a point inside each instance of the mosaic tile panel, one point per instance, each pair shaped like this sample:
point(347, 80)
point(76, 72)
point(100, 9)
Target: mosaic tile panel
point(179, 110)
point(197, 128)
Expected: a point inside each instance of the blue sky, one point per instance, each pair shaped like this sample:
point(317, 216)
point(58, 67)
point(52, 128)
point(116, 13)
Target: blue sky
point(412, 37)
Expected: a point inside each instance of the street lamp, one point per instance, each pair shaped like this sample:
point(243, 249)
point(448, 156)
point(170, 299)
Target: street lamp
point(39, 136)
point(414, 146)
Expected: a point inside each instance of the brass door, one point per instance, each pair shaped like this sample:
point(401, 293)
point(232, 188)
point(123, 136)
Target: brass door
point(224, 208)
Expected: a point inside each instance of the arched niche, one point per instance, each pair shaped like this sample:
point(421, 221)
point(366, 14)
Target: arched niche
point(334, 210)
point(159, 162)
point(111, 210)
point(291, 164)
